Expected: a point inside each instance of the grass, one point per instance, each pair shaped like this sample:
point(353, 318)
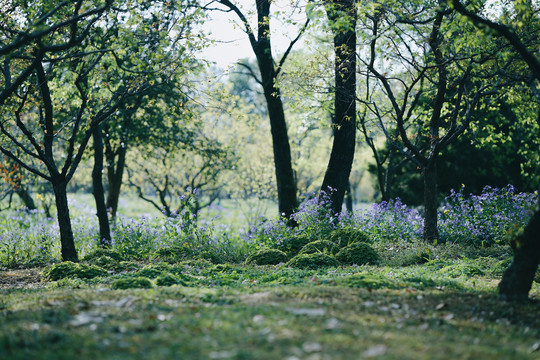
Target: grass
point(270, 312)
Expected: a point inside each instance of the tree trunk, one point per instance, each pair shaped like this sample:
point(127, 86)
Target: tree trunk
point(431, 233)
point(286, 184)
point(114, 176)
point(518, 278)
point(344, 119)
point(349, 198)
point(98, 192)
point(26, 198)
point(69, 253)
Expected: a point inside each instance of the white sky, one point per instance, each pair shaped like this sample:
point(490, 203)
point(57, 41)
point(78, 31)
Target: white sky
point(232, 42)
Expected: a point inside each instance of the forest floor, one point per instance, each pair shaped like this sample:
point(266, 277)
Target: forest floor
point(234, 313)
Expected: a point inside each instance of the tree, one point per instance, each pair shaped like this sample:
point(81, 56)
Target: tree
point(518, 277)
point(342, 18)
point(434, 90)
point(269, 72)
point(56, 87)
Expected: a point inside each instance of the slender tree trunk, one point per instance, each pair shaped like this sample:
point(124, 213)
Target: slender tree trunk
point(69, 253)
point(114, 176)
point(286, 184)
point(26, 198)
point(97, 190)
point(344, 119)
point(518, 278)
point(349, 198)
point(431, 233)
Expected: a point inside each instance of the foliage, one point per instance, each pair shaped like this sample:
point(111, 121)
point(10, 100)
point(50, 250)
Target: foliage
point(98, 253)
point(485, 219)
point(313, 261)
point(358, 254)
point(267, 257)
point(320, 246)
point(347, 235)
point(69, 269)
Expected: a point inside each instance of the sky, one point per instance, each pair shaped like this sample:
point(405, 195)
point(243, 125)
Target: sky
point(232, 42)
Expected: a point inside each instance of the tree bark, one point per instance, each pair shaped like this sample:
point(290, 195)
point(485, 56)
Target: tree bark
point(26, 198)
point(115, 175)
point(431, 233)
point(517, 279)
point(98, 192)
point(339, 167)
point(286, 184)
point(69, 253)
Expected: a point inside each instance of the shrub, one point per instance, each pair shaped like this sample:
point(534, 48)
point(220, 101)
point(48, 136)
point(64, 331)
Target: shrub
point(347, 235)
point(462, 269)
point(168, 279)
point(320, 246)
point(357, 253)
point(138, 282)
point(313, 261)
point(69, 269)
point(267, 257)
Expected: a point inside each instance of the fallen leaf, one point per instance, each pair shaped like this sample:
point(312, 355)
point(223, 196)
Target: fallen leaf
point(376, 350)
point(440, 306)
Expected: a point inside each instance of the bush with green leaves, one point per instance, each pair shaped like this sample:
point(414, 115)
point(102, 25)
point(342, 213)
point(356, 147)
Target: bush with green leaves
point(137, 282)
point(103, 252)
point(292, 245)
point(267, 257)
point(320, 246)
point(69, 269)
point(357, 254)
point(313, 261)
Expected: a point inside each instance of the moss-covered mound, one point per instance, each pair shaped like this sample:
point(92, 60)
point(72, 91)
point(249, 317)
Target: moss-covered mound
point(103, 252)
point(320, 246)
point(152, 271)
point(69, 269)
point(168, 279)
point(313, 261)
point(106, 262)
point(173, 254)
point(347, 236)
point(138, 282)
point(357, 253)
point(292, 245)
point(267, 257)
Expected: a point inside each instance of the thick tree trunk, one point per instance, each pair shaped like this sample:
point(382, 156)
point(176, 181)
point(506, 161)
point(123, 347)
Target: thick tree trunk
point(69, 253)
point(337, 173)
point(115, 174)
point(431, 233)
point(98, 192)
point(518, 278)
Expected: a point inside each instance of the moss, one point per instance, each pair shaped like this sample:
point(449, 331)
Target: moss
point(168, 279)
point(69, 269)
point(173, 254)
point(320, 246)
point(105, 262)
point(138, 282)
point(152, 271)
point(461, 270)
point(292, 245)
point(267, 257)
point(347, 236)
point(313, 261)
point(357, 253)
point(103, 252)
